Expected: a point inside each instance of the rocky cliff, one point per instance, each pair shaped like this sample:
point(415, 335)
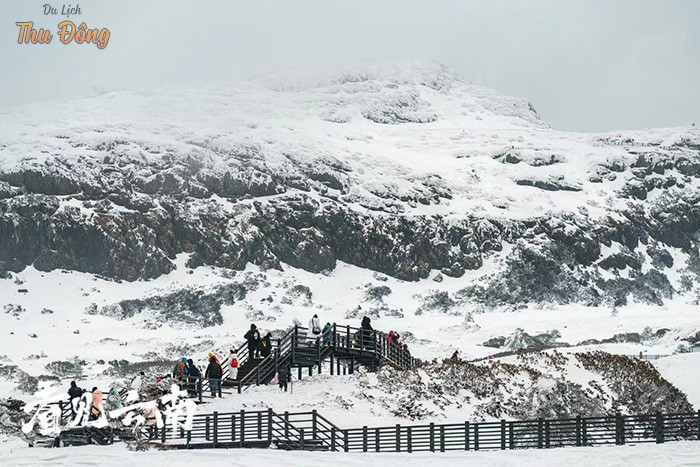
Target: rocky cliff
point(401, 168)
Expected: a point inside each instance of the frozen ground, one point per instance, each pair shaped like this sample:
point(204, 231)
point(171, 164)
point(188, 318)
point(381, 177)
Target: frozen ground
point(682, 371)
point(33, 339)
point(651, 455)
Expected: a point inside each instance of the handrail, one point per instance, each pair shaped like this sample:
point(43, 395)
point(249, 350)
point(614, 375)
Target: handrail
point(288, 432)
point(370, 342)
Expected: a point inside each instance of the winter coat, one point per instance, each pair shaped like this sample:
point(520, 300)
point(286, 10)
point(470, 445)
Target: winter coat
point(214, 370)
point(327, 333)
point(150, 416)
point(314, 323)
point(252, 336)
point(265, 346)
point(180, 370)
point(365, 324)
point(283, 374)
point(194, 371)
point(96, 401)
point(74, 392)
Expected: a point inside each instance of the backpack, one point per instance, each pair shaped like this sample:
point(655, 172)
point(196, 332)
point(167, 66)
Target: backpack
point(234, 363)
point(316, 330)
point(263, 344)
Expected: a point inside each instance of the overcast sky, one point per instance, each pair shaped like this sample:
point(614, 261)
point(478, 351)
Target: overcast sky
point(589, 66)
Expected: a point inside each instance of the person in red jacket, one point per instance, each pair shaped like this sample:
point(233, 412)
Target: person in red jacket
point(233, 370)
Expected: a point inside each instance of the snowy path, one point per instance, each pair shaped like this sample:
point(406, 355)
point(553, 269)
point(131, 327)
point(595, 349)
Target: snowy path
point(668, 455)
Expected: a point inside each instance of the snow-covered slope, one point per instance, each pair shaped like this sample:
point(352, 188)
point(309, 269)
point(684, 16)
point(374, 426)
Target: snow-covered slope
point(399, 191)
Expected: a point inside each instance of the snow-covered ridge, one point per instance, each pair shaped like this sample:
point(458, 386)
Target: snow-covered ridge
point(401, 167)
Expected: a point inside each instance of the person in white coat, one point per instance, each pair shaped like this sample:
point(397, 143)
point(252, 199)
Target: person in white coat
point(314, 331)
point(233, 365)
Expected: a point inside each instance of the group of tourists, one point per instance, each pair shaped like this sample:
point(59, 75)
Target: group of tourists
point(258, 347)
point(189, 376)
point(75, 394)
point(315, 331)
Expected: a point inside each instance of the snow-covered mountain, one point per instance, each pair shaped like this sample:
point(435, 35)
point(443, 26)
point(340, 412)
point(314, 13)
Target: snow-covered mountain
point(400, 168)
point(139, 226)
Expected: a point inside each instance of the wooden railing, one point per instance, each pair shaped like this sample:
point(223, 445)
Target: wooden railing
point(293, 430)
point(336, 340)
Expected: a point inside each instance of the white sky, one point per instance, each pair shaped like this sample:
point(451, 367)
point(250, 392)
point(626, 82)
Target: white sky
point(594, 65)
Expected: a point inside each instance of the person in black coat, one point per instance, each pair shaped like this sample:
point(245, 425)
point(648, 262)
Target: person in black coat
point(283, 377)
point(253, 338)
point(74, 392)
point(194, 377)
point(214, 373)
point(367, 332)
point(265, 346)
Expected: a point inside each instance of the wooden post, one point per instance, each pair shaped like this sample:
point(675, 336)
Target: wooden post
point(364, 438)
point(314, 424)
point(398, 437)
point(242, 428)
point(659, 428)
point(352, 364)
point(539, 434)
point(331, 358)
point(432, 437)
point(376, 440)
point(619, 429)
point(466, 436)
point(259, 425)
point(346, 447)
point(546, 434)
point(233, 428)
point(442, 438)
point(299, 373)
point(332, 438)
point(410, 444)
point(347, 338)
point(216, 427)
point(476, 436)
point(511, 437)
point(277, 357)
point(335, 337)
point(578, 430)
point(165, 427)
point(503, 434)
point(286, 424)
point(584, 432)
point(206, 429)
point(301, 438)
point(318, 353)
point(269, 427)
